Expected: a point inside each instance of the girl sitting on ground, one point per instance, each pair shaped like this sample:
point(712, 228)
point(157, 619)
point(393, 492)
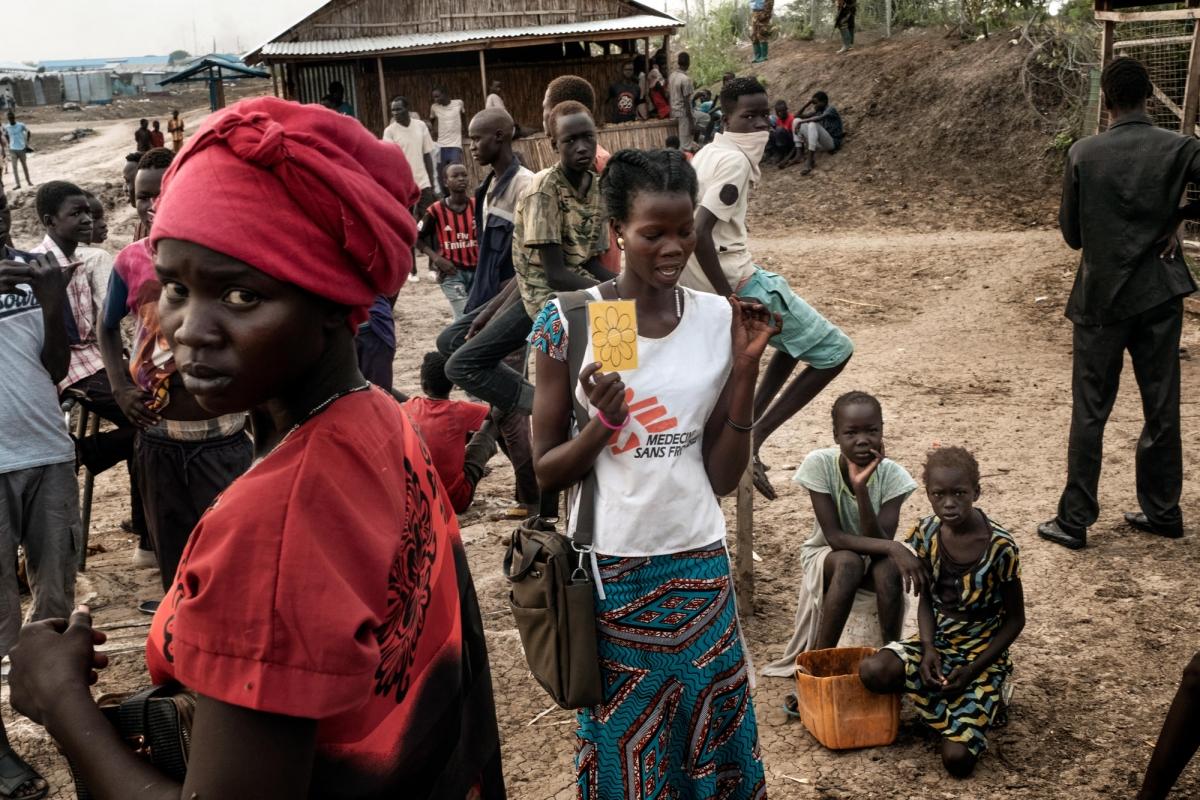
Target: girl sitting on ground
point(957, 667)
point(856, 496)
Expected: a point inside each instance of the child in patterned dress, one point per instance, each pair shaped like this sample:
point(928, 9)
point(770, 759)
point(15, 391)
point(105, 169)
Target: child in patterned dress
point(957, 668)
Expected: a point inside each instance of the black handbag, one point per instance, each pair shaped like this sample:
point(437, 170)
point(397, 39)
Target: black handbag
point(156, 723)
point(550, 576)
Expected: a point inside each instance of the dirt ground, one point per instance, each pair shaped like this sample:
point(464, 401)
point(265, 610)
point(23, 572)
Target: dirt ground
point(956, 314)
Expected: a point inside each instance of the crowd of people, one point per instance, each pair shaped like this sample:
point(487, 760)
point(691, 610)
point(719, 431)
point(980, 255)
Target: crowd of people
point(302, 512)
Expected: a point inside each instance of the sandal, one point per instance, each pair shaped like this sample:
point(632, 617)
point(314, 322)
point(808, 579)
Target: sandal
point(15, 774)
point(791, 705)
point(761, 482)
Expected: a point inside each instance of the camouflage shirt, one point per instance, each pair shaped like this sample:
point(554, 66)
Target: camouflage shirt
point(552, 212)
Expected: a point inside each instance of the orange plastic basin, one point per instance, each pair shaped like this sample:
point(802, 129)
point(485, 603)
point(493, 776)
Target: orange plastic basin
point(835, 706)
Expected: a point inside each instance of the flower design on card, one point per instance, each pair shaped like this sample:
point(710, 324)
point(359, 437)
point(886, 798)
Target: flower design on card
point(614, 335)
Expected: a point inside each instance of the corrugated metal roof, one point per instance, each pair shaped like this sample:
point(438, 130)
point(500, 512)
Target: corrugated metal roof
point(15, 66)
point(413, 41)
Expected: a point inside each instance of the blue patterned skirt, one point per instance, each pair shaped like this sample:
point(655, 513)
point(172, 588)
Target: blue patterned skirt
point(677, 720)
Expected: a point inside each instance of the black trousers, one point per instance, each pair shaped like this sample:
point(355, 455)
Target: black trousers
point(179, 481)
point(1152, 339)
point(108, 448)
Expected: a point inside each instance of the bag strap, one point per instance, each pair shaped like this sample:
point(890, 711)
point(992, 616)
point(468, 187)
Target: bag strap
point(574, 309)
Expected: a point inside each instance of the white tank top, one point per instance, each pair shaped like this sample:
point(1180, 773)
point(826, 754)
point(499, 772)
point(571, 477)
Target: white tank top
point(653, 494)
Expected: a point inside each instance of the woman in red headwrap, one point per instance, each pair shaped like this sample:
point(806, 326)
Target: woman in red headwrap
point(323, 611)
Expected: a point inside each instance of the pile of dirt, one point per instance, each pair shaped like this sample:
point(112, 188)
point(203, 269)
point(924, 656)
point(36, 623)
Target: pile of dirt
point(939, 135)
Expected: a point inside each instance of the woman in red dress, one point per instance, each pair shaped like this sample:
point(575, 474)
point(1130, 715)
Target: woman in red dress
point(323, 612)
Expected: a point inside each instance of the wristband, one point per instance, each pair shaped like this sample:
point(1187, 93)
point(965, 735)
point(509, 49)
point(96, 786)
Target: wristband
point(739, 428)
point(604, 421)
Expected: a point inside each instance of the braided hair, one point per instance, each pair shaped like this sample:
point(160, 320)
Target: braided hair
point(631, 171)
point(1126, 84)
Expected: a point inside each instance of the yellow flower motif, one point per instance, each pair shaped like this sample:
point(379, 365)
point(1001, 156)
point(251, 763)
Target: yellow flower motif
point(614, 338)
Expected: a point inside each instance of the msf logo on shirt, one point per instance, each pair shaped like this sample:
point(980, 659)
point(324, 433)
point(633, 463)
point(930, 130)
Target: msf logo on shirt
point(651, 431)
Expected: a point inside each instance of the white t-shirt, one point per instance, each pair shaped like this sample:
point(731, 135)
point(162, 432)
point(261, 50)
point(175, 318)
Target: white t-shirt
point(449, 123)
point(719, 165)
point(653, 493)
point(34, 432)
point(416, 142)
point(494, 101)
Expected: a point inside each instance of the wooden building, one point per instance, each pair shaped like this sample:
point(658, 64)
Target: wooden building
point(378, 49)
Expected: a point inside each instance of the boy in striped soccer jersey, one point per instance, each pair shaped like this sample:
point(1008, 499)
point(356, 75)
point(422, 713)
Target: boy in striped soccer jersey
point(447, 234)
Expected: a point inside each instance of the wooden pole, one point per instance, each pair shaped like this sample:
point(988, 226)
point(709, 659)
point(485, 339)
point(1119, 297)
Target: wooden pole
point(483, 76)
point(744, 568)
point(887, 18)
point(1191, 94)
point(1106, 54)
point(383, 98)
point(275, 80)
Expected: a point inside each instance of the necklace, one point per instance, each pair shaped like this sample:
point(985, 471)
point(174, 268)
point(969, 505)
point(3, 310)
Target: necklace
point(314, 411)
point(678, 298)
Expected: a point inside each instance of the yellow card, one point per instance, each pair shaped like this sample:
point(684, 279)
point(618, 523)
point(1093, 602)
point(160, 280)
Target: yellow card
point(614, 334)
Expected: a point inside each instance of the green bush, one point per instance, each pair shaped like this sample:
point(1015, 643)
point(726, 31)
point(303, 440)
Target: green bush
point(712, 36)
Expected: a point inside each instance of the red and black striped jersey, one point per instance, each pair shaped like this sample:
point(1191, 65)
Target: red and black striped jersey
point(453, 234)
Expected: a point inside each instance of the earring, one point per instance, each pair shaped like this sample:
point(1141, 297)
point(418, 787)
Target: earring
point(620, 242)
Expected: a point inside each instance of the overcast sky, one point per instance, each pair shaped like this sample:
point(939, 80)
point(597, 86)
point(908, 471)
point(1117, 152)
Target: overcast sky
point(44, 29)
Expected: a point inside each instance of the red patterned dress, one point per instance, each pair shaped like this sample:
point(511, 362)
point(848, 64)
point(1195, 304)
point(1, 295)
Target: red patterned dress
point(329, 582)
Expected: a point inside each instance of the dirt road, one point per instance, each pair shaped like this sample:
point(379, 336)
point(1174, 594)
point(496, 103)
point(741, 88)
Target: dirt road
point(960, 335)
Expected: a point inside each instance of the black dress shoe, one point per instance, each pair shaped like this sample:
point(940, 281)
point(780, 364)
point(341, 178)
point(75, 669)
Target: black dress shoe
point(1144, 525)
point(1052, 532)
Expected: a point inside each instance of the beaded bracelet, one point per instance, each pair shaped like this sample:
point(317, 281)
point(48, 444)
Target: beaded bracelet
point(604, 421)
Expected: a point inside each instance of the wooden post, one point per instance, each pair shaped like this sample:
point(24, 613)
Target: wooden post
point(1191, 94)
point(483, 76)
point(887, 18)
point(744, 569)
point(275, 80)
point(383, 98)
point(1106, 54)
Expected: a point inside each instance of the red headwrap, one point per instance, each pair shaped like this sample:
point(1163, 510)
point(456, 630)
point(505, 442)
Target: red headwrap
point(300, 192)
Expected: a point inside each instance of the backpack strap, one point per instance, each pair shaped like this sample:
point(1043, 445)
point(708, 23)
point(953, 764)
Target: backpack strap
point(574, 310)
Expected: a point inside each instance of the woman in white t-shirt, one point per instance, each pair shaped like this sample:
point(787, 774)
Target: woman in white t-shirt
point(665, 439)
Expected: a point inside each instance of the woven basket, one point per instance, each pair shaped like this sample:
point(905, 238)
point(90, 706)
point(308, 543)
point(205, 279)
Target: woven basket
point(835, 706)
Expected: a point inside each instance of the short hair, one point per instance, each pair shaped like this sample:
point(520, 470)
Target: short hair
point(854, 398)
point(133, 158)
point(93, 200)
point(433, 374)
point(685, 60)
point(1126, 83)
point(142, 122)
point(566, 109)
point(156, 158)
point(440, 88)
point(629, 172)
point(736, 89)
point(673, 142)
point(52, 195)
point(570, 87)
point(400, 98)
point(821, 97)
point(951, 458)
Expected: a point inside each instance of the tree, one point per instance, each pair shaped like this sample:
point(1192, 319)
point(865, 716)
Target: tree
point(177, 56)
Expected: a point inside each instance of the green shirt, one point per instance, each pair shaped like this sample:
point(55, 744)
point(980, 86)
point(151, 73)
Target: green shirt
point(552, 212)
point(821, 472)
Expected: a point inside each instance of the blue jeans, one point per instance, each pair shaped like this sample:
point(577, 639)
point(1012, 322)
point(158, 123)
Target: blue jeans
point(456, 287)
point(477, 365)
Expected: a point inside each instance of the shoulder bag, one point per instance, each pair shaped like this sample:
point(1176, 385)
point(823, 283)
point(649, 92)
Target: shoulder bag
point(550, 578)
